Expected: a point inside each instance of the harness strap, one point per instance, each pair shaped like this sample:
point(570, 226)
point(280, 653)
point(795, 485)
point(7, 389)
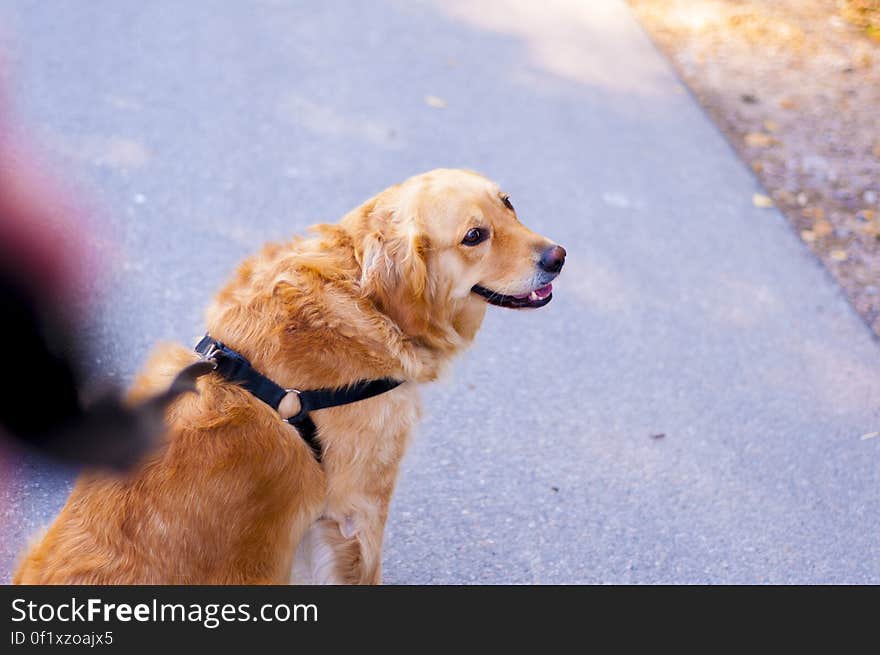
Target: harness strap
point(234, 367)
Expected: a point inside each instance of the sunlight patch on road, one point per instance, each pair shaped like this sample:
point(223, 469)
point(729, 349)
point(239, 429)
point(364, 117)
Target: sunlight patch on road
point(563, 38)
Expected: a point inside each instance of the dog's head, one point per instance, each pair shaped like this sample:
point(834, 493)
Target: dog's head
point(435, 249)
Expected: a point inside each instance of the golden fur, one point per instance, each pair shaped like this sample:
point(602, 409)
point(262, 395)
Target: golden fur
point(233, 491)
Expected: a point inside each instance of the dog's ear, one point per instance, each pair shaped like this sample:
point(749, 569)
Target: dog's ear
point(394, 273)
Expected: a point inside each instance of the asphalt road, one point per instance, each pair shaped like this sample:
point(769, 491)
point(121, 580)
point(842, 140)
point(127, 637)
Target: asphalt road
point(202, 130)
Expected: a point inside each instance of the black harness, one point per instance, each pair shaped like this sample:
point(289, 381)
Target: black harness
point(234, 367)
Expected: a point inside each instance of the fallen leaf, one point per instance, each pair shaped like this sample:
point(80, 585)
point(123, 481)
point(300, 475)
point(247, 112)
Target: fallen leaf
point(839, 255)
point(759, 140)
point(435, 102)
point(771, 126)
point(787, 103)
point(870, 435)
point(760, 200)
point(822, 228)
point(871, 229)
point(877, 151)
point(757, 166)
point(783, 197)
point(815, 212)
point(808, 235)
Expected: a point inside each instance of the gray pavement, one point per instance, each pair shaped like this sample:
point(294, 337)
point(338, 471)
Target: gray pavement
point(202, 130)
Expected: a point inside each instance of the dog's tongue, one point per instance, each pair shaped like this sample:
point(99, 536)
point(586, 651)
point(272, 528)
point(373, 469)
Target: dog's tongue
point(537, 294)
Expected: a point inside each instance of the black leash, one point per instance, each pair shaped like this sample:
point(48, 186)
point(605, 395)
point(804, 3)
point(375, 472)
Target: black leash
point(235, 367)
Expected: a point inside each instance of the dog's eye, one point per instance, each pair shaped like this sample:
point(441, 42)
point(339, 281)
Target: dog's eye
point(474, 236)
point(506, 200)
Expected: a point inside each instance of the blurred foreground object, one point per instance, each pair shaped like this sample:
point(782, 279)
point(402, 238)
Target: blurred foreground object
point(44, 270)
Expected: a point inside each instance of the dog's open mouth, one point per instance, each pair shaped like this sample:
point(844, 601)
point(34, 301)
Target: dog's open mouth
point(536, 298)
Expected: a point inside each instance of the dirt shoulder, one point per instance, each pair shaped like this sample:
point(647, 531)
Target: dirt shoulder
point(795, 86)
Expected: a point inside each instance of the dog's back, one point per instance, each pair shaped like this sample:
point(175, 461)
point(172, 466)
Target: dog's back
point(215, 504)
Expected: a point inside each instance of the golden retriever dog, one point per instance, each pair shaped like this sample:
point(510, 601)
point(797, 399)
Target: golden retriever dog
point(234, 495)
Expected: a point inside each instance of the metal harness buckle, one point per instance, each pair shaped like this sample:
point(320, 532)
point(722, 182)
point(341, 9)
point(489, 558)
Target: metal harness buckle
point(210, 355)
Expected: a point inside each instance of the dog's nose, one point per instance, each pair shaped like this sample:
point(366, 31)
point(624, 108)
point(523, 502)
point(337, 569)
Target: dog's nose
point(552, 259)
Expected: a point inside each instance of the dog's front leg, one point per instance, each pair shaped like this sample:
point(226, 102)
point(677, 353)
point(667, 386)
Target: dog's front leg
point(316, 555)
point(343, 550)
point(345, 545)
